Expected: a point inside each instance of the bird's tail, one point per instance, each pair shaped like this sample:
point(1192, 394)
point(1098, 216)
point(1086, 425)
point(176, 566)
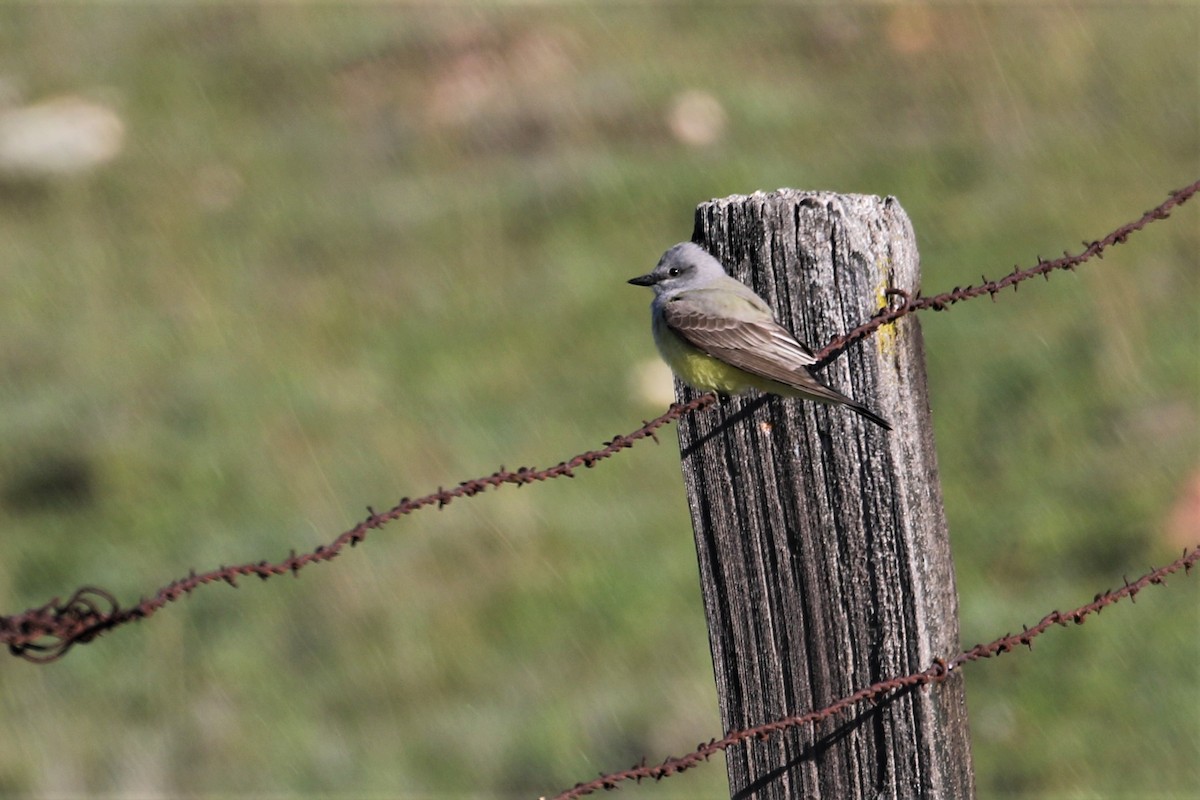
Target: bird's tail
point(869, 414)
point(824, 394)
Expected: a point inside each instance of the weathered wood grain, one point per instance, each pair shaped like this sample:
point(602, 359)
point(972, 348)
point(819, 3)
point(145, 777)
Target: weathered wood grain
point(822, 541)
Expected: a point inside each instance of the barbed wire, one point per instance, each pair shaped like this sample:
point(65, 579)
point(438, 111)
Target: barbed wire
point(46, 633)
point(879, 692)
point(1068, 261)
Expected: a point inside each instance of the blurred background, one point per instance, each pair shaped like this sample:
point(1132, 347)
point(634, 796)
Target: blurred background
point(262, 266)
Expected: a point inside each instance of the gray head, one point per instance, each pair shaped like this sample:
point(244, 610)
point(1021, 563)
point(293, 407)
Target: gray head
point(684, 266)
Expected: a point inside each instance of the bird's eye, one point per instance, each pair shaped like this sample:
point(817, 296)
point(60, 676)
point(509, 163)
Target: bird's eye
point(673, 272)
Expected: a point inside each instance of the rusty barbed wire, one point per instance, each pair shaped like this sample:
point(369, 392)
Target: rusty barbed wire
point(937, 672)
point(941, 302)
point(46, 633)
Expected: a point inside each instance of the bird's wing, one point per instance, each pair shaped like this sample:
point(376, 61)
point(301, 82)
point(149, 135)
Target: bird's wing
point(761, 345)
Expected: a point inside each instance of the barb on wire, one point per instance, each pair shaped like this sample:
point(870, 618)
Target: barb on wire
point(877, 692)
point(943, 301)
point(47, 632)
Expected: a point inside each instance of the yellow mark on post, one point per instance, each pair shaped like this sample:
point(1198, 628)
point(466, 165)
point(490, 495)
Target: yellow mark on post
point(885, 337)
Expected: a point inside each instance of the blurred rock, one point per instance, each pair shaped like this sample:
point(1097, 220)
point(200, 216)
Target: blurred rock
point(697, 118)
point(57, 137)
point(654, 383)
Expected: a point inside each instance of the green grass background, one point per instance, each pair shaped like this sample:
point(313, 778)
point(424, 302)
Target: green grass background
point(356, 252)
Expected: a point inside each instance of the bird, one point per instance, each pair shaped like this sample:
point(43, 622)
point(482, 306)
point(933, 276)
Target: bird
point(717, 335)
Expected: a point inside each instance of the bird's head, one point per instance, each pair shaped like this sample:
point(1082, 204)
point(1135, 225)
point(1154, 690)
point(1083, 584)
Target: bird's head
point(684, 266)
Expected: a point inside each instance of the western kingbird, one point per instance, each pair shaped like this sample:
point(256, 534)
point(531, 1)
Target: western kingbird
point(717, 335)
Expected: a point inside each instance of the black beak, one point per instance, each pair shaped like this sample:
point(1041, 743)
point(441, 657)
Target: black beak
point(643, 280)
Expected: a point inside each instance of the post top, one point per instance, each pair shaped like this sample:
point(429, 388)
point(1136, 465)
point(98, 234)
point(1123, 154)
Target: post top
point(785, 194)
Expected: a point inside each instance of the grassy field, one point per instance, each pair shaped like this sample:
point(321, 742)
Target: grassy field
point(358, 252)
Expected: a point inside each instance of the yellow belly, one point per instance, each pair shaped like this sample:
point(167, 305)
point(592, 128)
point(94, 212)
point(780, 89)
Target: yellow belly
point(700, 370)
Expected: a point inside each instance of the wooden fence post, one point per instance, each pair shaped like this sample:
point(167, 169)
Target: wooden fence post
point(822, 540)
